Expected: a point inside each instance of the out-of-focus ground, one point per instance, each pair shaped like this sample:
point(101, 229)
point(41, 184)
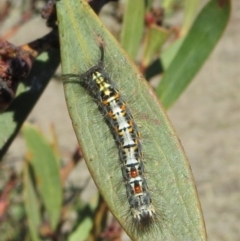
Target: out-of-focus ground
point(206, 118)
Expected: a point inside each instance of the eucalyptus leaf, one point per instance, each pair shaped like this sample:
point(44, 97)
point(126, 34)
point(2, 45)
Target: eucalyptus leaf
point(32, 204)
point(47, 174)
point(133, 26)
point(196, 47)
point(168, 174)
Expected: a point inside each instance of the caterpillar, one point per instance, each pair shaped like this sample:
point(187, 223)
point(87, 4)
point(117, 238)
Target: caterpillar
point(118, 117)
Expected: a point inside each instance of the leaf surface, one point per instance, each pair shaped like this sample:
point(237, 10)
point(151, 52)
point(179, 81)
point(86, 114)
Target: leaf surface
point(133, 26)
point(47, 173)
point(31, 204)
point(196, 47)
point(167, 170)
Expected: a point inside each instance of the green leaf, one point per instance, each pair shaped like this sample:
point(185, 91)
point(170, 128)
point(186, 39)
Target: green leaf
point(169, 53)
point(82, 231)
point(47, 173)
point(197, 45)
point(31, 204)
point(155, 39)
point(12, 119)
point(190, 8)
point(133, 26)
point(167, 170)
point(85, 219)
point(167, 56)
